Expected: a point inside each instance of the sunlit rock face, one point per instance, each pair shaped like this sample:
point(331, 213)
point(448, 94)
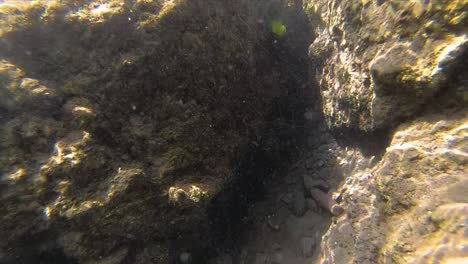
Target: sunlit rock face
point(396, 66)
point(379, 62)
point(422, 180)
point(409, 207)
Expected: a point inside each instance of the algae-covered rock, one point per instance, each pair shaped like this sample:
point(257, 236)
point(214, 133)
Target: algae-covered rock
point(379, 62)
point(122, 121)
point(395, 67)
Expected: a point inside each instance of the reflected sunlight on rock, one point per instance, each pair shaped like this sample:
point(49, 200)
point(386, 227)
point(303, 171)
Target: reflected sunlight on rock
point(98, 11)
point(67, 149)
point(448, 243)
point(83, 109)
point(194, 193)
point(16, 176)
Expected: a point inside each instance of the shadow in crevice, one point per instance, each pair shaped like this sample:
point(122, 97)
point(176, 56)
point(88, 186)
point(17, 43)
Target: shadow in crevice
point(370, 144)
point(450, 98)
point(281, 141)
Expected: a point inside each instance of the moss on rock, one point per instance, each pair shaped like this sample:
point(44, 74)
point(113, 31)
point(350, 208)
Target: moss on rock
point(142, 98)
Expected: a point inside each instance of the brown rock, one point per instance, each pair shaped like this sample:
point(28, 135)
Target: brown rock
point(321, 198)
point(336, 210)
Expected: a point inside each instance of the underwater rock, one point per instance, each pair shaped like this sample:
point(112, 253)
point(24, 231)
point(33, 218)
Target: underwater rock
point(379, 63)
point(308, 245)
point(336, 210)
point(393, 67)
point(394, 191)
point(123, 122)
point(321, 198)
point(299, 202)
point(312, 205)
point(185, 258)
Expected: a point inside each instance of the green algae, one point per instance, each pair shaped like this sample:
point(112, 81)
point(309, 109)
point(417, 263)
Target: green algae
point(278, 27)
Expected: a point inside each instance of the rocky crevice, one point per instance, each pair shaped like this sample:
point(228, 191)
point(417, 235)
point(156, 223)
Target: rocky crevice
point(232, 131)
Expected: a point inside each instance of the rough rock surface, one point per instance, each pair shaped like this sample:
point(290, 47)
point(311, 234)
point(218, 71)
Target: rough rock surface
point(125, 124)
point(410, 207)
point(379, 62)
point(394, 93)
point(397, 67)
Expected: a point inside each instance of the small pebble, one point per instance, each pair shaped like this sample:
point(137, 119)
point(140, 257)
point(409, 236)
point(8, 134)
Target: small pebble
point(277, 258)
point(184, 257)
point(320, 163)
point(287, 198)
point(276, 246)
point(336, 210)
point(308, 244)
point(321, 198)
point(312, 205)
point(337, 196)
point(273, 223)
point(299, 203)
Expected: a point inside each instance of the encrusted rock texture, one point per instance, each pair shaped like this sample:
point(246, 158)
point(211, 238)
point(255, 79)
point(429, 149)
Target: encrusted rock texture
point(121, 122)
point(397, 68)
point(379, 62)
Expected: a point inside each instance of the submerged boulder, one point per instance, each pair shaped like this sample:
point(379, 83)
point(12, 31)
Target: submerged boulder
point(121, 123)
point(394, 69)
point(379, 62)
